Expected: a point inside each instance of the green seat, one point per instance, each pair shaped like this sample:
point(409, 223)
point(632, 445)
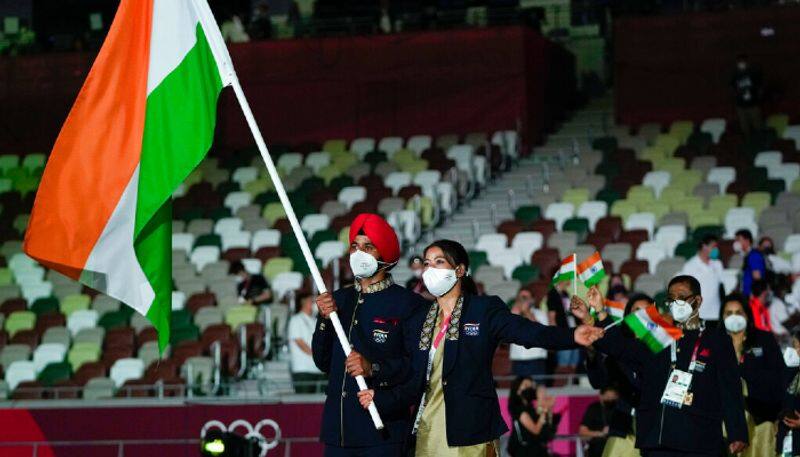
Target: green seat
point(8, 162)
point(576, 196)
point(180, 318)
point(209, 239)
point(579, 225)
point(72, 303)
point(686, 249)
point(265, 198)
point(756, 176)
point(190, 214)
point(6, 278)
point(700, 142)
point(328, 173)
point(321, 236)
point(228, 187)
point(661, 301)
point(704, 218)
point(414, 167)
point(525, 273)
point(343, 161)
point(239, 315)
point(272, 212)
point(681, 130)
point(667, 143)
point(334, 146)
point(259, 185)
point(528, 214)
point(623, 209)
point(45, 305)
point(701, 232)
point(20, 320)
point(25, 184)
point(188, 333)
point(778, 122)
point(276, 265)
point(341, 182)
point(720, 204)
point(757, 200)
point(55, 372)
point(219, 213)
point(83, 352)
point(608, 169)
point(114, 319)
point(640, 195)
point(773, 186)
point(5, 185)
point(375, 157)
point(476, 259)
point(609, 196)
point(607, 144)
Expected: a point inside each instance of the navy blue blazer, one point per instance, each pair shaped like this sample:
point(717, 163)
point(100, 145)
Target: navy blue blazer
point(379, 332)
point(606, 371)
point(790, 403)
point(472, 410)
point(762, 368)
point(716, 386)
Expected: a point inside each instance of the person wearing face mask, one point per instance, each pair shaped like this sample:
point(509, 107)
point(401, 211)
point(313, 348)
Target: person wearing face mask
point(375, 314)
point(788, 438)
point(524, 361)
point(457, 410)
point(688, 390)
point(300, 329)
point(761, 368)
point(707, 269)
point(415, 283)
point(754, 266)
point(253, 289)
point(604, 371)
point(759, 305)
point(533, 422)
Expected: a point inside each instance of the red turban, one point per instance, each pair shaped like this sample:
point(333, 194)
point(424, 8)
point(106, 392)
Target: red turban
point(380, 233)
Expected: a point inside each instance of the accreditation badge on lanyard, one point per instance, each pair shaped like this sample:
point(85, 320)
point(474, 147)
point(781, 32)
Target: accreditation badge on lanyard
point(787, 445)
point(431, 354)
point(676, 393)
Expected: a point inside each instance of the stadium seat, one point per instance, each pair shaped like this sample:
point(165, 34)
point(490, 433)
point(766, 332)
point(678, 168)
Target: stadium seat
point(19, 321)
point(240, 315)
point(20, 371)
point(491, 241)
point(559, 212)
point(714, 126)
point(126, 369)
point(81, 353)
point(48, 353)
point(652, 252)
point(81, 319)
point(593, 211)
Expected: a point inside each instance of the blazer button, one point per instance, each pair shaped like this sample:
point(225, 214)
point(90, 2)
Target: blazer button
point(344, 394)
point(444, 383)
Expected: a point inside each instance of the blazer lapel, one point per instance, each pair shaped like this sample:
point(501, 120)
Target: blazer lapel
point(453, 336)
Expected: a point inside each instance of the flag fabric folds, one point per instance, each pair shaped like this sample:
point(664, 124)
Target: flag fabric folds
point(615, 309)
point(652, 329)
point(591, 270)
point(143, 120)
point(566, 271)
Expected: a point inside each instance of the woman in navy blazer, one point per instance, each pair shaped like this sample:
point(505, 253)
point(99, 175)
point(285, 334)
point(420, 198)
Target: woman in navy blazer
point(452, 386)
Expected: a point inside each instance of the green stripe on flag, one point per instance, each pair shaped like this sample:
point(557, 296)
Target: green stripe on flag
point(595, 278)
point(561, 277)
point(642, 333)
point(179, 129)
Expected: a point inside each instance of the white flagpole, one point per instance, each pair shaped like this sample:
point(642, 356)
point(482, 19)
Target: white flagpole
point(575, 274)
point(220, 51)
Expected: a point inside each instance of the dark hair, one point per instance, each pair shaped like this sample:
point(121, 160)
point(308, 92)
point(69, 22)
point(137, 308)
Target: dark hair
point(744, 233)
point(748, 312)
point(758, 287)
point(691, 281)
point(455, 253)
point(637, 297)
point(236, 267)
point(618, 289)
point(708, 239)
point(515, 404)
point(298, 302)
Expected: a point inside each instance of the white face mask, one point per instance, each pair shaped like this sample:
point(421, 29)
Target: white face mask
point(681, 310)
point(790, 357)
point(363, 264)
point(735, 323)
point(439, 281)
point(737, 247)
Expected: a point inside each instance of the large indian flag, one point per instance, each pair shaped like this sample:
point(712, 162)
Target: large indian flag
point(648, 325)
point(143, 120)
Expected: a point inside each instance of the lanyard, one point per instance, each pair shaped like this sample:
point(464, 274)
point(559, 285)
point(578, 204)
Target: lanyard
point(674, 355)
point(431, 354)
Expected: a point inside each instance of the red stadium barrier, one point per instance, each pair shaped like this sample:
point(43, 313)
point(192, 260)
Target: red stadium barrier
point(150, 430)
point(317, 89)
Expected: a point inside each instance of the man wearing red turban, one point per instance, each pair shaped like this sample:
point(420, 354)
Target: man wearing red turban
point(377, 316)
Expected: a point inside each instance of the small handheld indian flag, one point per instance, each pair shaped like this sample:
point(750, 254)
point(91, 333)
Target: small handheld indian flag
point(566, 271)
point(615, 309)
point(591, 270)
point(654, 331)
